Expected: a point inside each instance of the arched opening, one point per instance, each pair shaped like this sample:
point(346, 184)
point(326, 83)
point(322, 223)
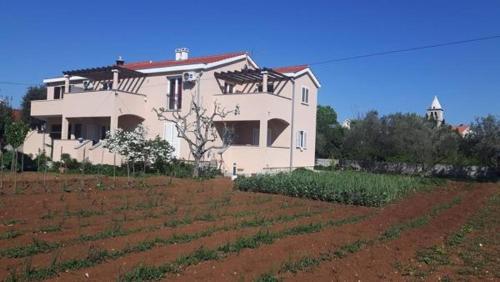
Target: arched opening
point(275, 129)
point(129, 122)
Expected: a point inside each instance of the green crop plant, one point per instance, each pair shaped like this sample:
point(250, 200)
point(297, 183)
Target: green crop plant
point(348, 187)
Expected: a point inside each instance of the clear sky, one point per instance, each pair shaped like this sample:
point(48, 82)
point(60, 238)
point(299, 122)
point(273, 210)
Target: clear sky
point(39, 39)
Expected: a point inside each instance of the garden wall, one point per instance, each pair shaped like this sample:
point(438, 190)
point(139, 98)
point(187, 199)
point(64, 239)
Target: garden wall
point(439, 170)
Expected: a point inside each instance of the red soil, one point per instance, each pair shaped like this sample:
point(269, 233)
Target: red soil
point(209, 204)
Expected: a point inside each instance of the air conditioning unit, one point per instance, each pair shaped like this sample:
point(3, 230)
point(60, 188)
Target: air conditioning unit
point(190, 76)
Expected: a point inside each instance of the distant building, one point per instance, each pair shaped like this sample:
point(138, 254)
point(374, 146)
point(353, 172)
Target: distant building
point(17, 115)
point(346, 124)
point(436, 112)
point(462, 129)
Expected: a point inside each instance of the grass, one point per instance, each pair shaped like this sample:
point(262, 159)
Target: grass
point(348, 187)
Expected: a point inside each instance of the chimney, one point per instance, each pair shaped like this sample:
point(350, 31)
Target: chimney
point(120, 61)
point(181, 54)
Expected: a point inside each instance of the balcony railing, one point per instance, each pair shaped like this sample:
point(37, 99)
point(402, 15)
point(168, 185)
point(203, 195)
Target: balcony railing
point(97, 103)
point(255, 106)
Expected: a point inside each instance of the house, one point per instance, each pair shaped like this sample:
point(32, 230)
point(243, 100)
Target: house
point(462, 129)
point(275, 128)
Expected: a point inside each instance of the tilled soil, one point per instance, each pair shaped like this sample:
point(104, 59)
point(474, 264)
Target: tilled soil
point(117, 215)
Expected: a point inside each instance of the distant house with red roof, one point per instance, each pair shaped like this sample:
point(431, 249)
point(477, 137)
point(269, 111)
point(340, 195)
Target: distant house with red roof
point(17, 115)
point(275, 128)
point(462, 129)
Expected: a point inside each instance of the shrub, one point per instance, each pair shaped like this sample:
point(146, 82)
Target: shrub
point(356, 188)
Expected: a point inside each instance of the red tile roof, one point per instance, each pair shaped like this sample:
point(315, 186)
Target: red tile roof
point(461, 128)
point(190, 61)
point(17, 115)
point(291, 68)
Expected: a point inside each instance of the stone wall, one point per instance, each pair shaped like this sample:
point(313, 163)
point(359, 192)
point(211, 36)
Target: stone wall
point(439, 170)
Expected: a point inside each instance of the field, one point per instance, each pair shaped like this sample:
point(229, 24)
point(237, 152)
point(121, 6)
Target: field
point(74, 228)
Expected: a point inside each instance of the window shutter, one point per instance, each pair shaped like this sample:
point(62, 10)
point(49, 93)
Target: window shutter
point(305, 140)
point(297, 139)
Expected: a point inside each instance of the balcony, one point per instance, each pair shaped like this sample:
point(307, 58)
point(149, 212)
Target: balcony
point(100, 103)
point(256, 106)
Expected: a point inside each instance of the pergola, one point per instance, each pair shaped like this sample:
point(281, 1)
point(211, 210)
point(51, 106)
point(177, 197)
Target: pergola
point(113, 77)
point(251, 77)
point(104, 73)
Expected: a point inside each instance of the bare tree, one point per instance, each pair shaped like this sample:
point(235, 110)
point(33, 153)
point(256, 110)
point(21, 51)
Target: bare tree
point(197, 128)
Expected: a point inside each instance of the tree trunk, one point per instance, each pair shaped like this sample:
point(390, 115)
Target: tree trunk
point(196, 168)
point(15, 170)
point(128, 173)
point(1, 172)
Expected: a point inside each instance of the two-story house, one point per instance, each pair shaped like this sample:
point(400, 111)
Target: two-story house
point(274, 130)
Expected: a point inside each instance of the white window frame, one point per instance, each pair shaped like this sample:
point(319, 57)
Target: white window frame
point(176, 92)
point(304, 95)
point(301, 139)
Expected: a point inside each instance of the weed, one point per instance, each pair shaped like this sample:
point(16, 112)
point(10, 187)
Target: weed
point(50, 228)
point(300, 265)
point(351, 248)
point(433, 256)
point(10, 234)
point(36, 247)
point(267, 277)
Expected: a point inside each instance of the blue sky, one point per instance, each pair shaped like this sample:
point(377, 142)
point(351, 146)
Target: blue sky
point(40, 39)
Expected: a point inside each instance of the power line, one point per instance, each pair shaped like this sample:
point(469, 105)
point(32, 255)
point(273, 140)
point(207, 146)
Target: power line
point(406, 50)
point(17, 83)
point(382, 53)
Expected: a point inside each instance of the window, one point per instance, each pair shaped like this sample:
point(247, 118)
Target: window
point(58, 92)
point(305, 95)
point(301, 139)
point(255, 136)
point(55, 131)
point(228, 88)
point(78, 130)
point(174, 93)
point(270, 87)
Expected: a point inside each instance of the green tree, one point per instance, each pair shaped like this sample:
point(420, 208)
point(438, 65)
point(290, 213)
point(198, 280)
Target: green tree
point(329, 133)
point(401, 137)
point(483, 143)
point(15, 133)
point(364, 140)
point(5, 119)
point(33, 93)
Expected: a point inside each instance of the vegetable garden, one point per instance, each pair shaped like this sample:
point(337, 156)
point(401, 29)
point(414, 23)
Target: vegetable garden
point(73, 227)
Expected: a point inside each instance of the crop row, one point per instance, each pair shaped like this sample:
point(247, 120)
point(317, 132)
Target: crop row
point(348, 187)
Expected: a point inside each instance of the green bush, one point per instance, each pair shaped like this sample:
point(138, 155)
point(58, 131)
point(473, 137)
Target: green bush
point(348, 187)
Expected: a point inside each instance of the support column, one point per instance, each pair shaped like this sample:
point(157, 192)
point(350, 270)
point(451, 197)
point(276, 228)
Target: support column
point(64, 128)
point(113, 124)
point(115, 78)
point(72, 132)
point(66, 83)
point(263, 133)
point(264, 81)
